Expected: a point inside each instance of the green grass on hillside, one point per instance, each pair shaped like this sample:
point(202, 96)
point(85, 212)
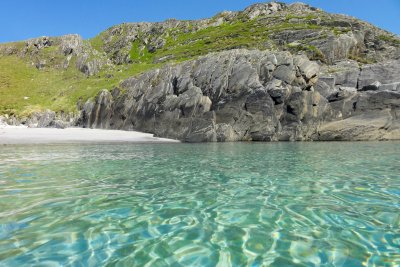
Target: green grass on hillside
point(241, 34)
point(97, 42)
point(54, 89)
point(139, 53)
point(389, 39)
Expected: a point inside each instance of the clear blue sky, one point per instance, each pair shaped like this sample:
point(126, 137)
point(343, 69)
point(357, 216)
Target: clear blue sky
point(23, 19)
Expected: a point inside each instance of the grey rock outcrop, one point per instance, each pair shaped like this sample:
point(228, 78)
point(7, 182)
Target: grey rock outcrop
point(379, 125)
point(44, 119)
point(88, 60)
point(243, 95)
point(384, 73)
point(261, 9)
point(57, 52)
point(71, 44)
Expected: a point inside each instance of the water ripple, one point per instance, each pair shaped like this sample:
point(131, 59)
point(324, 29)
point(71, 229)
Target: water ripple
point(285, 204)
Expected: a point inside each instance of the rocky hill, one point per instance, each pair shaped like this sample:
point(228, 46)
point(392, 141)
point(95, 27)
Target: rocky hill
point(270, 72)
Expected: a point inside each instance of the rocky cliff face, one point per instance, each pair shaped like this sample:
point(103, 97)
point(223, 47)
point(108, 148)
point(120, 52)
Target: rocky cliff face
point(270, 72)
point(243, 95)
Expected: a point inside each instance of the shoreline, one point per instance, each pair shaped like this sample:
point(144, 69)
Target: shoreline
point(20, 135)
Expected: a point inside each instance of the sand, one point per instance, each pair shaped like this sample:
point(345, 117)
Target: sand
point(10, 135)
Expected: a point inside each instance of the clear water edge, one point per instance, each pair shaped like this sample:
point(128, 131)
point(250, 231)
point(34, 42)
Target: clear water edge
point(234, 204)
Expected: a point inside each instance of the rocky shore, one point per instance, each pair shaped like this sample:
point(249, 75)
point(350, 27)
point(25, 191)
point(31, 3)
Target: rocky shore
point(245, 95)
point(318, 77)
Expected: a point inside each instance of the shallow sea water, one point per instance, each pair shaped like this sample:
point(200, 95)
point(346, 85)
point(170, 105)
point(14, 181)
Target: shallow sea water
point(233, 204)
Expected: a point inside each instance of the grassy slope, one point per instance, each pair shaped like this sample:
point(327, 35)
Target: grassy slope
point(241, 34)
point(54, 89)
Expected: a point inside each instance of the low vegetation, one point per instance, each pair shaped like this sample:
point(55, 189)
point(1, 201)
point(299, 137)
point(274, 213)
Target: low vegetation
point(25, 89)
point(312, 52)
point(390, 39)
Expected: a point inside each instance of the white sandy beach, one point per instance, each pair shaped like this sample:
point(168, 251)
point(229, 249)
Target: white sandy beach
point(23, 135)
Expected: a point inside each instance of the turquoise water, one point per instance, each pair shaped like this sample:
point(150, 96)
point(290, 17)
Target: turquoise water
point(235, 204)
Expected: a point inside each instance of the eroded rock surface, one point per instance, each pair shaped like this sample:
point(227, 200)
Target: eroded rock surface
point(242, 95)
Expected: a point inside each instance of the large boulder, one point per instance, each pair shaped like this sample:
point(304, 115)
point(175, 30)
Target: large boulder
point(380, 125)
point(71, 44)
point(384, 73)
point(257, 10)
